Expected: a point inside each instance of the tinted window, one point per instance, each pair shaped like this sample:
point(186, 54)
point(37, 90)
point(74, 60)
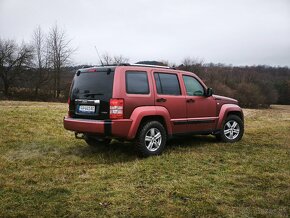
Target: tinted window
point(93, 85)
point(193, 87)
point(167, 84)
point(137, 83)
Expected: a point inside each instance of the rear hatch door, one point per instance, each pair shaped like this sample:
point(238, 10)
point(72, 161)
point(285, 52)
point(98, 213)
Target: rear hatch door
point(91, 92)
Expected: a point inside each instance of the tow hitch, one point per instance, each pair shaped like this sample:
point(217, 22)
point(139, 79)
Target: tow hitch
point(79, 135)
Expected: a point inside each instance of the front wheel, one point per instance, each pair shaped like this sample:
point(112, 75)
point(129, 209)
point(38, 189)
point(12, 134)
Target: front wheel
point(232, 130)
point(151, 139)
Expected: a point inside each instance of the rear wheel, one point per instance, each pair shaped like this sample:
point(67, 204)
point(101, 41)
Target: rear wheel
point(232, 130)
point(151, 139)
point(95, 141)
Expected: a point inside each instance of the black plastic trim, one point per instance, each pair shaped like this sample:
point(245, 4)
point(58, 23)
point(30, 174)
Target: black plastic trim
point(182, 122)
point(108, 127)
point(200, 121)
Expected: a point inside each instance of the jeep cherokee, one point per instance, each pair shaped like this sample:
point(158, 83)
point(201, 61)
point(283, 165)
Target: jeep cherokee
point(148, 104)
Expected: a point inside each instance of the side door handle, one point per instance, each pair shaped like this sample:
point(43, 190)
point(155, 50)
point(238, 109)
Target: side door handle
point(190, 100)
point(161, 100)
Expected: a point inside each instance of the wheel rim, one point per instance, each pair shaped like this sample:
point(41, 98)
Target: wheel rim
point(153, 139)
point(231, 129)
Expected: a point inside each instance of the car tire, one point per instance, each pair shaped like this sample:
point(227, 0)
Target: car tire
point(232, 129)
point(95, 141)
point(151, 139)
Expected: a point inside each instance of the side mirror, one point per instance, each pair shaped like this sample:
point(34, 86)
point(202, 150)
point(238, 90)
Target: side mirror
point(209, 92)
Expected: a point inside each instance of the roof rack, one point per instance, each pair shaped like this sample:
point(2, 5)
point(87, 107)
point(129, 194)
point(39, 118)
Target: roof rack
point(136, 65)
point(145, 65)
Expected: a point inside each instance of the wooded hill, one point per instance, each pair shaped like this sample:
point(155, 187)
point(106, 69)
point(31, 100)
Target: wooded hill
point(43, 70)
point(253, 86)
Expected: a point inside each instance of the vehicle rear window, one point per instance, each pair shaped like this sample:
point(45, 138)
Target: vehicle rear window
point(93, 85)
point(167, 84)
point(137, 82)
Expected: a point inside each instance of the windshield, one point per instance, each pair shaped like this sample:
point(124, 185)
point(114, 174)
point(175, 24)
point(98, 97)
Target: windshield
point(93, 85)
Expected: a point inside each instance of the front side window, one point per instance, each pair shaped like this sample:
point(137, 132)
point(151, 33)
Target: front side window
point(137, 82)
point(167, 84)
point(193, 87)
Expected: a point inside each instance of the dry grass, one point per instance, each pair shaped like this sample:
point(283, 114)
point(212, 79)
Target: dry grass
point(45, 172)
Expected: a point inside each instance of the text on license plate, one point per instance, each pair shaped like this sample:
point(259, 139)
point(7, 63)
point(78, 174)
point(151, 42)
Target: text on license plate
point(87, 108)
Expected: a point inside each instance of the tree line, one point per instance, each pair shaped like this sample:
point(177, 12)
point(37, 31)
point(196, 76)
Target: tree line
point(35, 66)
point(43, 70)
point(253, 86)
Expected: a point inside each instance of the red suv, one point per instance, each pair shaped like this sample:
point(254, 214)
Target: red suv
point(148, 104)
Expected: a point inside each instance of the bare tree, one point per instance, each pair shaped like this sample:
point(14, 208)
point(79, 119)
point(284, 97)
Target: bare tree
point(13, 59)
point(59, 53)
point(40, 60)
point(187, 62)
point(167, 63)
point(118, 59)
point(107, 59)
point(192, 64)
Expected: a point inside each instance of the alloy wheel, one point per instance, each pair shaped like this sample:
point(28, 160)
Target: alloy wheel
point(231, 130)
point(153, 139)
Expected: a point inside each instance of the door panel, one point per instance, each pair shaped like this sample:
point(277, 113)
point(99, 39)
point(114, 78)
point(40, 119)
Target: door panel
point(168, 95)
point(200, 110)
point(137, 90)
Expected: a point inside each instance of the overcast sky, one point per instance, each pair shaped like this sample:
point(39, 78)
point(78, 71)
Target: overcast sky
point(238, 32)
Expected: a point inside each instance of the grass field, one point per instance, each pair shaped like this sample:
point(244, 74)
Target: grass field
point(45, 172)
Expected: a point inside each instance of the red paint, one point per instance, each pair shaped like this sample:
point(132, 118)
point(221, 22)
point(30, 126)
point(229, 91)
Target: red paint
point(92, 70)
point(179, 114)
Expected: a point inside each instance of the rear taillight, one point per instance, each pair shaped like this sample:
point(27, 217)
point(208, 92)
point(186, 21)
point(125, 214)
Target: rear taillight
point(116, 108)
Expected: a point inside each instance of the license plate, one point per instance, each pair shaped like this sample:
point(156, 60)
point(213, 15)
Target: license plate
point(87, 109)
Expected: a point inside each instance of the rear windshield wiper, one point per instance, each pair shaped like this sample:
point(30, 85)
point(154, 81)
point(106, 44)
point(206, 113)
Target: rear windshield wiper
point(92, 94)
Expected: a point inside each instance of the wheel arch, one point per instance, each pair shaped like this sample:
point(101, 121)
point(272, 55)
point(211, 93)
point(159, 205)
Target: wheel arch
point(142, 115)
point(237, 113)
point(229, 109)
point(148, 118)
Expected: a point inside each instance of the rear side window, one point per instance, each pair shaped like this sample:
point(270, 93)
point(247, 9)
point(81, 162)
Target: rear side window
point(137, 82)
point(167, 84)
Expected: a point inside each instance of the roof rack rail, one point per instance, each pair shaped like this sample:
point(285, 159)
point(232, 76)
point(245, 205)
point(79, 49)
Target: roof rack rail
point(146, 65)
point(150, 65)
point(137, 65)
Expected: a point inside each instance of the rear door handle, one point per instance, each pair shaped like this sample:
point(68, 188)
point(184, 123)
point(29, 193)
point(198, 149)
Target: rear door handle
point(190, 100)
point(161, 100)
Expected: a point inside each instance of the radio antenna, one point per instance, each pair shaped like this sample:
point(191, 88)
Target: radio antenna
point(99, 56)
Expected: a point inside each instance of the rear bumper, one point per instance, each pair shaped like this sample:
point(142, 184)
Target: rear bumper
point(113, 128)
